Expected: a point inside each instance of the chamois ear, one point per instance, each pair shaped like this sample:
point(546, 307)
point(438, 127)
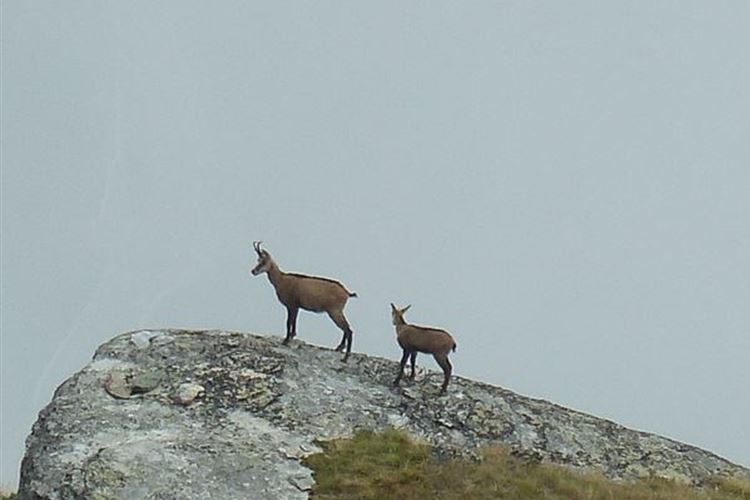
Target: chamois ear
point(405, 309)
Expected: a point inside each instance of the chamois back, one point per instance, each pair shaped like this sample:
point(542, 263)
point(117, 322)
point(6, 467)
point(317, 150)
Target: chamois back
point(425, 339)
point(314, 293)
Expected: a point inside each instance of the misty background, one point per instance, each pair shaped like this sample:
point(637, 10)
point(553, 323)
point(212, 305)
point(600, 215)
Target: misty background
point(563, 185)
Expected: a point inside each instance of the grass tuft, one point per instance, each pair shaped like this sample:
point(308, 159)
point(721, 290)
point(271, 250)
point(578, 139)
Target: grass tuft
point(390, 464)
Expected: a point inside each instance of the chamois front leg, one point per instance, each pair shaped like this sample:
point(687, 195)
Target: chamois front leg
point(413, 364)
point(291, 324)
point(401, 367)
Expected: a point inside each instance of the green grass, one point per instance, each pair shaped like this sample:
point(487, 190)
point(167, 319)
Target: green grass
point(392, 465)
point(4, 495)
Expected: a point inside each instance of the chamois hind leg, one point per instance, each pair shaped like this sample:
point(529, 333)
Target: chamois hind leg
point(291, 324)
point(445, 364)
point(342, 344)
point(401, 367)
point(346, 340)
point(349, 335)
point(413, 364)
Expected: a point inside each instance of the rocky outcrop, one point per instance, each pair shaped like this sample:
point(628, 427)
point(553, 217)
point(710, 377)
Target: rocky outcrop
point(214, 414)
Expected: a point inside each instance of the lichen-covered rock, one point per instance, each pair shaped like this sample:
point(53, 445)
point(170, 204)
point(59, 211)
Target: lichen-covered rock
point(212, 414)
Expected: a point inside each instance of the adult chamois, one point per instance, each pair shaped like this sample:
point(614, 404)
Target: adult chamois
point(311, 293)
point(414, 339)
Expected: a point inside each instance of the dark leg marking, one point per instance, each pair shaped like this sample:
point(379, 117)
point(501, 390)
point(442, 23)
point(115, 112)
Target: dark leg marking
point(291, 324)
point(346, 340)
point(413, 364)
point(442, 360)
point(401, 367)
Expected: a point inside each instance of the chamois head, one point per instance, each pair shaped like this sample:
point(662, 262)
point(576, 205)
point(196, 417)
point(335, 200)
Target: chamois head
point(264, 260)
point(398, 314)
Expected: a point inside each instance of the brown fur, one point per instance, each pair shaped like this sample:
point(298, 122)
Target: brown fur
point(414, 339)
point(299, 291)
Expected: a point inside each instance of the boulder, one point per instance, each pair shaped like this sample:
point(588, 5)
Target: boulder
point(216, 414)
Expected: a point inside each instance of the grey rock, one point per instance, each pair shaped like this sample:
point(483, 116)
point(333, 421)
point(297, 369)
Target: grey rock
point(117, 385)
point(302, 482)
point(146, 381)
point(252, 408)
point(142, 339)
point(124, 385)
point(187, 393)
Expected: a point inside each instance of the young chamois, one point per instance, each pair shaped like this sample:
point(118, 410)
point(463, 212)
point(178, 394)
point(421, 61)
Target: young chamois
point(311, 293)
point(414, 339)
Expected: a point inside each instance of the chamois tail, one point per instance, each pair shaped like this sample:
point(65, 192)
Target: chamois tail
point(352, 294)
point(454, 346)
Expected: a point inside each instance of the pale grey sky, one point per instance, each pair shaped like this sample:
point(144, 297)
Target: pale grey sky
point(563, 185)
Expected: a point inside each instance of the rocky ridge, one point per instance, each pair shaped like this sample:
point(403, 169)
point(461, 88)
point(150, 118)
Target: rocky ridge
point(213, 414)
